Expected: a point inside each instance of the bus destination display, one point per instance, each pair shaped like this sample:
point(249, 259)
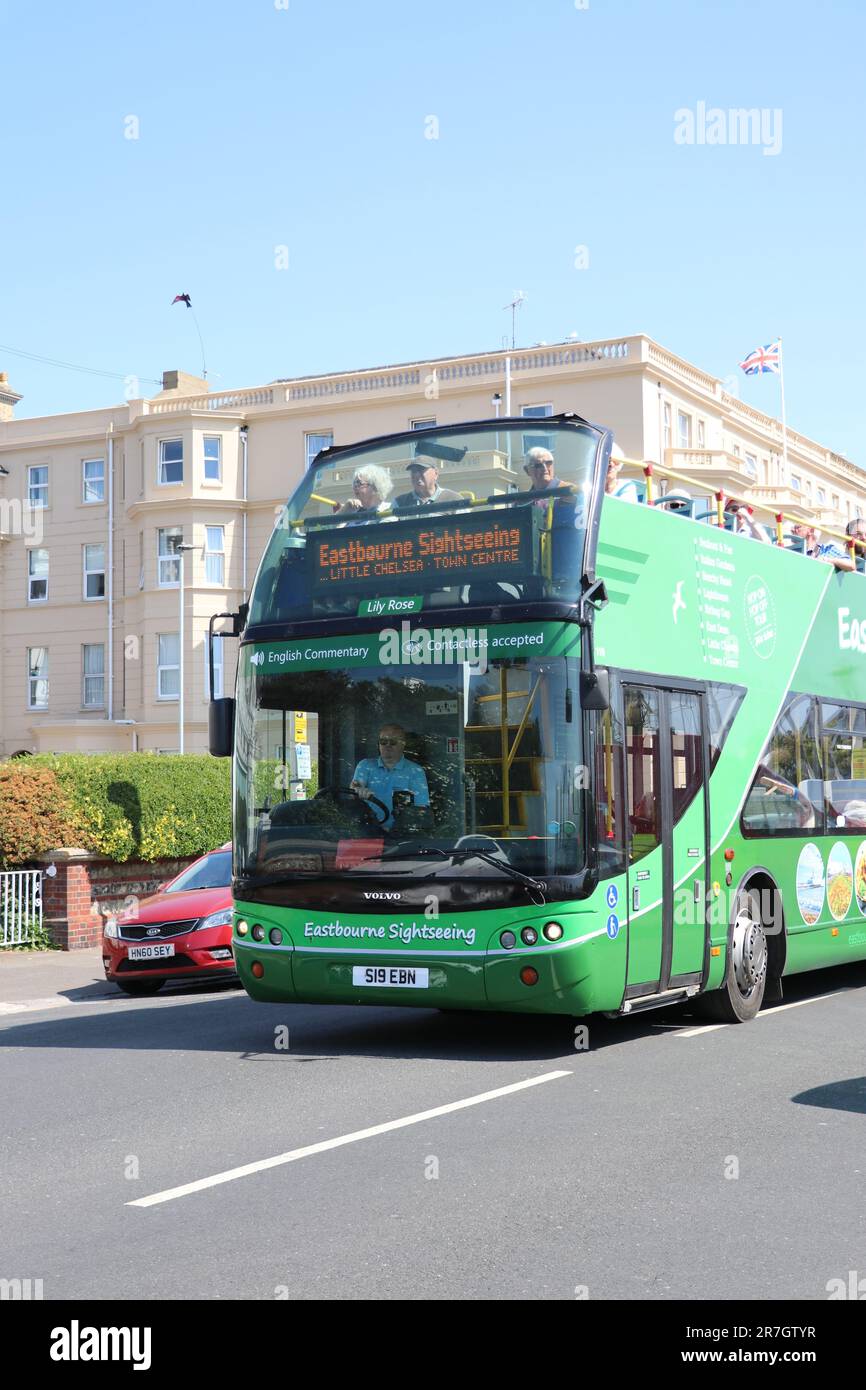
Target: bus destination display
point(449, 550)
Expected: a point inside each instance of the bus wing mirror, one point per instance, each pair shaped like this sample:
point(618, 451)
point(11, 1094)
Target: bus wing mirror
point(595, 689)
point(221, 727)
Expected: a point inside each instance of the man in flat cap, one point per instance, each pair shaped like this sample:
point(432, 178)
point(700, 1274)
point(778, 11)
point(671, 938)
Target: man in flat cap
point(424, 472)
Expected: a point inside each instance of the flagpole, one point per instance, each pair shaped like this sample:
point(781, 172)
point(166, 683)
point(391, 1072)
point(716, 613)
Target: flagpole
point(784, 425)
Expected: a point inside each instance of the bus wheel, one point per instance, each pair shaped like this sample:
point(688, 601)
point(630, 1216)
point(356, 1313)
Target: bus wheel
point(742, 993)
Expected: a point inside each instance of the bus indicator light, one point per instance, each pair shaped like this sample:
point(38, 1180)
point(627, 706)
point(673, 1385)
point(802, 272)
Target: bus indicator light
point(257, 969)
point(275, 936)
point(258, 932)
point(729, 855)
point(715, 950)
point(508, 939)
point(529, 936)
point(529, 975)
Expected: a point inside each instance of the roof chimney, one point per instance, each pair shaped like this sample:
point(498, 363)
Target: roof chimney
point(8, 398)
point(183, 384)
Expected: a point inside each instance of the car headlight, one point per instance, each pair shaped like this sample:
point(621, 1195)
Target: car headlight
point(222, 918)
point(111, 929)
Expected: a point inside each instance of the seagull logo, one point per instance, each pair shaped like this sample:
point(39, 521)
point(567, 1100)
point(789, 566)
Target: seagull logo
point(679, 601)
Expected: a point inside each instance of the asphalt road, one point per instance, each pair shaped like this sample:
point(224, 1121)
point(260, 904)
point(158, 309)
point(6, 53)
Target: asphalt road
point(659, 1163)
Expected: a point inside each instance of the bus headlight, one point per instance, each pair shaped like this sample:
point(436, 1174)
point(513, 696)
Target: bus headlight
point(258, 932)
point(529, 936)
point(243, 928)
point(553, 931)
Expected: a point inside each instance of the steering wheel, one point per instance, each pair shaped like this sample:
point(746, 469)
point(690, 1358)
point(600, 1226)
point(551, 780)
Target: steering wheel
point(347, 794)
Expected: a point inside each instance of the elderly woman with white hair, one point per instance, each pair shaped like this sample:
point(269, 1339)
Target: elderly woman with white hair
point(371, 488)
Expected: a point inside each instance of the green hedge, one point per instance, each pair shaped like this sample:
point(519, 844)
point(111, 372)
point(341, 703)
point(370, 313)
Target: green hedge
point(123, 806)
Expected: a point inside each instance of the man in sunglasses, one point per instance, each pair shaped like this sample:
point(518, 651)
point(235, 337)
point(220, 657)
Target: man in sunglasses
point(391, 772)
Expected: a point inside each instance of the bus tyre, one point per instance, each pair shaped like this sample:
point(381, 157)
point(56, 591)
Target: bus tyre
point(140, 987)
point(742, 993)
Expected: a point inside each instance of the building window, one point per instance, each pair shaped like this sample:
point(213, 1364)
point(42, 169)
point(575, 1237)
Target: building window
point(170, 461)
point(37, 576)
point(141, 559)
point(736, 450)
point(217, 668)
point(795, 482)
point(168, 561)
point(536, 441)
point(213, 462)
point(684, 430)
point(214, 555)
point(168, 666)
point(93, 480)
point(93, 675)
point(702, 435)
point(315, 443)
point(822, 496)
point(751, 465)
point(37, 677)
point(94, 571)
point(37, 485)
point(834, 498)
point(666, 423)
point(424, 424)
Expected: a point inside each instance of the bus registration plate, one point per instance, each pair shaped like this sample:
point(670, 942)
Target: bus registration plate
point(402, 976)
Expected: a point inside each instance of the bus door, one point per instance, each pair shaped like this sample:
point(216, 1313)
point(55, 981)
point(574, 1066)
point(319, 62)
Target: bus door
point(667, 837)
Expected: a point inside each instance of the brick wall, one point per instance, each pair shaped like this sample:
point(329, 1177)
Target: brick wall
point(84, 889)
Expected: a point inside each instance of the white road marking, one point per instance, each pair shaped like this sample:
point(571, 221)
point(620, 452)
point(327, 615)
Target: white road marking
point(34, 1005)
point(294, 1154)
point(768, 1013)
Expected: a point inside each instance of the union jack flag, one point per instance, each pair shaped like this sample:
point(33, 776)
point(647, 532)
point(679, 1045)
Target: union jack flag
point(764, 359)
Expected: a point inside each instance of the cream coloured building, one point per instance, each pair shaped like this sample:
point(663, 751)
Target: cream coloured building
point(93, 502)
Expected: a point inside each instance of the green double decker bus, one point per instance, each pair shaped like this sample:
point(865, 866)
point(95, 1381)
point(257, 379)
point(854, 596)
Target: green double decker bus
point(505, 740)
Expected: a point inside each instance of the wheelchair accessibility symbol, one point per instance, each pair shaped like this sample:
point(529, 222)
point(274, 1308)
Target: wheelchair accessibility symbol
point(613, 926)
point(612, 895)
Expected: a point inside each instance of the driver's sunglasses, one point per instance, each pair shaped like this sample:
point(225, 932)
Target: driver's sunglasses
point(391, 742)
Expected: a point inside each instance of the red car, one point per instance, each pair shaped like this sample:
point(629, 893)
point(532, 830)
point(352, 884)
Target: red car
point(183, 932)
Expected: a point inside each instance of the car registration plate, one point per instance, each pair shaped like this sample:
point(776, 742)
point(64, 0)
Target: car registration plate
point(150, 952)
point(399, 976)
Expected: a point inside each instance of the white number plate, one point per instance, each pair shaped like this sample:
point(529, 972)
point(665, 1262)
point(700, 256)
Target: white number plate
point(403, 976)
point(150, 952)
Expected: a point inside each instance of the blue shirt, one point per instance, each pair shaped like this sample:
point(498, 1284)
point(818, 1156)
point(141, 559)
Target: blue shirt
point(829, 550)
point(383, 781)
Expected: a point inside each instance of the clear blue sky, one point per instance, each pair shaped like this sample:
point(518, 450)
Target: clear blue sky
point(305, 127)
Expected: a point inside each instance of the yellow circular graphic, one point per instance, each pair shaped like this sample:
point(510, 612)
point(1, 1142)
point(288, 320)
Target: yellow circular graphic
point(860, 877)
point(840, 881)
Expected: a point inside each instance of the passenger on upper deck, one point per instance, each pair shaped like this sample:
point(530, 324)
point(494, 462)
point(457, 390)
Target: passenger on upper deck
point(627, 491)
point(371, 488)
point(744, 523)
point(857, 529)
point(424, 471)
point(540, 467)
point(832, 553)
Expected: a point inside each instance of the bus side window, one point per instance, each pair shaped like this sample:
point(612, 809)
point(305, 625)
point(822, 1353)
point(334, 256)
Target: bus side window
point(643, 754)
point(609, 799)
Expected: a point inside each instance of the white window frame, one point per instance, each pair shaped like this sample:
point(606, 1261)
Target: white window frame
point(750, 463)
point(206, 439)
point(536, 412)
point(88, 482)
point(702, 434)
point(163, 463)
point(218, 668)
point(167, 558)
point(796, 482)
point(219, 555)
point(315, 434)
point(92, 545)
point(667, 425)
point(163, 667)
point(684, 443)
point(37, 493)
point(426, 423)
point(36, 578)
point(32, 702)
point(92, 676)
point(822, 496)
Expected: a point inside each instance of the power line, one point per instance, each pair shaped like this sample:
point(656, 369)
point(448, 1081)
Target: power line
point(74, 367)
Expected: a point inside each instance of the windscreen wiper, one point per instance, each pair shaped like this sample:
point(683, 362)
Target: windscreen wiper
point(462, 855)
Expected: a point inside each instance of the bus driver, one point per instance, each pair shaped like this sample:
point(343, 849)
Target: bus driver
point(389, 773)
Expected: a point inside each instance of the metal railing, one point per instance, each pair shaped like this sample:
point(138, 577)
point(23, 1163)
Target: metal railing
point(20, 906)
